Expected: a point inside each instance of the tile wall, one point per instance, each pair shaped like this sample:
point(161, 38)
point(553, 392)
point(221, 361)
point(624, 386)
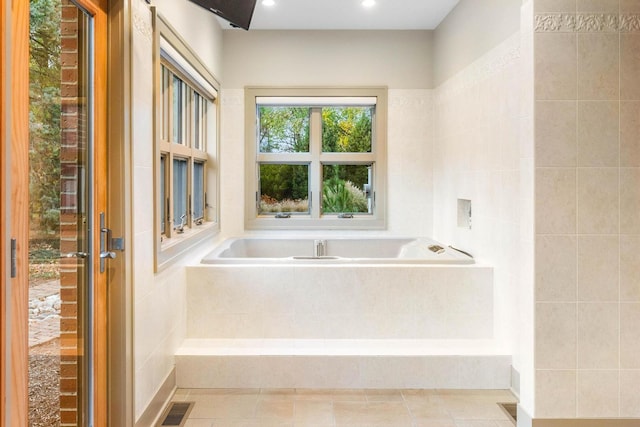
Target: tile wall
point(477, 156)
point(340, 302)
point(587, 204)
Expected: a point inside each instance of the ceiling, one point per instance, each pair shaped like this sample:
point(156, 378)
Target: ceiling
point(350, 15)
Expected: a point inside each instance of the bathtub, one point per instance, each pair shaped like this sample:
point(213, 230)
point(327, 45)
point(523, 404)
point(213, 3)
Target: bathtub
point(353, 313)
point(335, 250)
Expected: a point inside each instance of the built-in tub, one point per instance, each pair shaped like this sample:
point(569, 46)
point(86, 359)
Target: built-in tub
point(359, 313)
point(335, 250)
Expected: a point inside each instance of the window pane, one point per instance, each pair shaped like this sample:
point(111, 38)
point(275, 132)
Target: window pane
point(178, 110)
point(346, 129)
point(198, 190)
point(163, 197)
point(345, 188)
point(196, 119)
point(179, 192)
point(284, 188)
point(164, 100)
point(283, 129)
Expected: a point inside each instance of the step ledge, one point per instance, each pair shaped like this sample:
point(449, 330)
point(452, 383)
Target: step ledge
point(304, 347)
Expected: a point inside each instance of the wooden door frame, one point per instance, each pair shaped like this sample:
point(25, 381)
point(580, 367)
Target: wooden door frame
point(15, 219)
point(14, 209)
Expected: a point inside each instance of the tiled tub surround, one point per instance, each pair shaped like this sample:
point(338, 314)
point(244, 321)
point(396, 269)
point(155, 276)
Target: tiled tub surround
point(337, 326)
point(587, 303)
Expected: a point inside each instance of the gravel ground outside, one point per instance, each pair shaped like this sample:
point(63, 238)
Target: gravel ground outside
point(44, 384)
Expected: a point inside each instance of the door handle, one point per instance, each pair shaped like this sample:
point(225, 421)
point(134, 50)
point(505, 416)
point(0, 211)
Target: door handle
point(108, 244)
point(107, 255)
point(74, 255)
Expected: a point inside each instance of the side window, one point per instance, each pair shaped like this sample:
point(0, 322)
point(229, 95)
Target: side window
point(316, 160)
point(186, 146)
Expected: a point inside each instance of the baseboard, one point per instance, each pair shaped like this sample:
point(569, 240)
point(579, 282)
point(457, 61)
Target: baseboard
point(159, 401)
point(585, 422)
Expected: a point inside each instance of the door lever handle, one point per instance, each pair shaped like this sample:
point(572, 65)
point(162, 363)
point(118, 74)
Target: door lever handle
point(107, 255)
point(74, 255)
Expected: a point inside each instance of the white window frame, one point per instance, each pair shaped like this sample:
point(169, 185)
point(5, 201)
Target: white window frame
point(173, 54)
point(316, 98)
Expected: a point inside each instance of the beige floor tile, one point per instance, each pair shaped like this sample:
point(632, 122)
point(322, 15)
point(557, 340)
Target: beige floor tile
point(346, 408)
point(469, 408)
point(476, 423)
point(434, 423)
point(376, 413)
point(384, 395)
point(275, 410)
point(428, 410)
point(331, 395)
point(199, 423)
point(223, 406)
point(222, 391)
point(311, 412)
point(249, 422)
point(288, 394)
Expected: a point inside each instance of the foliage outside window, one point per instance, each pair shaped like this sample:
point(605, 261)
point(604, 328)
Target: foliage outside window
point(317, 158)
point(186, 144)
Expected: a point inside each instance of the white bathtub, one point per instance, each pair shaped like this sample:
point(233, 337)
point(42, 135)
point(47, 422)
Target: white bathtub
point(335, 250)
point(362, 313)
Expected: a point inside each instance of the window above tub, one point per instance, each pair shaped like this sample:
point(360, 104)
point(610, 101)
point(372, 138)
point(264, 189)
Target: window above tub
point(315, 158)
point(186, 146)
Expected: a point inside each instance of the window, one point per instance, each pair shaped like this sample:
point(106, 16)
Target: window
point(316, 158)
point(186, 147)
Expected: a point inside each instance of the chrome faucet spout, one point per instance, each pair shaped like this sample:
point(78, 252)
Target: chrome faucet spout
point(319, 248)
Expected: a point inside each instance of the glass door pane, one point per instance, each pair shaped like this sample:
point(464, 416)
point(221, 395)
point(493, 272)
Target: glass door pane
point(60, 206)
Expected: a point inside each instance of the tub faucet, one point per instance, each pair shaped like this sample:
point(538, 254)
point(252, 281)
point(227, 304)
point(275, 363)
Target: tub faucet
point(319, 248)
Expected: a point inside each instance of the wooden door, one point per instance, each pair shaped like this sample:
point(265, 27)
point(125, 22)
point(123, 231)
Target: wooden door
point(78, 144)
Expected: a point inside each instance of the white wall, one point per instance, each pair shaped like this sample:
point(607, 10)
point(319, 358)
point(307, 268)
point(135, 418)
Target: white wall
point(199, 28)
point(471, 29)
point(480, 155)
point(159, 299)
point(337, 58)
point(398, 59)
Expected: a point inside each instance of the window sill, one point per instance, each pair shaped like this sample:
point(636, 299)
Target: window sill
point(327, 223)
point(172, 248)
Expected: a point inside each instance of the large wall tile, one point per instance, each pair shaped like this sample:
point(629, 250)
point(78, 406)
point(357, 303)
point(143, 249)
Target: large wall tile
point(629, 268)
point(598, 268)
point(557, 6)
point(630, 394)
point(555, 200)
point(598, 133)
point(630, 200)
point(630, 336)
point(556, 268)
point(555, 131)
point(555, 394)
point(598, 201)
point(555, 336)
point(555, 66)
point(630, 133)
point(597, 394)
point(598, 66)
point(630, 66)
point(600, 6)
point(629, 6)
point(598, 335)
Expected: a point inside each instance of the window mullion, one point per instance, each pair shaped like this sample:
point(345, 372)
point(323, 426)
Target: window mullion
point(315, 168)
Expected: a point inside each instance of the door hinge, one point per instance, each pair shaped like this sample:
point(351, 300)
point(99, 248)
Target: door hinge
point(14, 262)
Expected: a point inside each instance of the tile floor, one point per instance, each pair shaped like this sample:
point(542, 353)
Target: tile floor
point(352, 408)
